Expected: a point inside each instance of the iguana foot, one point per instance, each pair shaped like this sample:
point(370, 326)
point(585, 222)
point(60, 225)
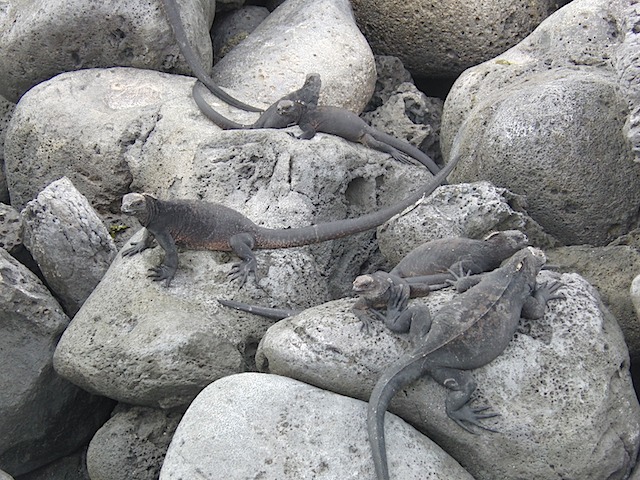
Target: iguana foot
point(472, 416)
point(134, 249)
point(240, 271)
point(162, 272)
point(401, 157)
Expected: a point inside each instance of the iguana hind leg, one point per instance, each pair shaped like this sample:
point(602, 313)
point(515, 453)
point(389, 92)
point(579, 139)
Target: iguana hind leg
point(242, 245)
point(461, 385)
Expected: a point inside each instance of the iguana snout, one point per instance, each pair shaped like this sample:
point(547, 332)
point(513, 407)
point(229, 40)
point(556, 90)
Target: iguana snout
point(133, 203)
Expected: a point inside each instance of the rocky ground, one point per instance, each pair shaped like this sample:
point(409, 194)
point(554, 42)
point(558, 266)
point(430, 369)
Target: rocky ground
point(108, 375)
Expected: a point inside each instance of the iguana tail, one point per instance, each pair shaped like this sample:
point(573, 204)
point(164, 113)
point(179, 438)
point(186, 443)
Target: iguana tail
point(321, 232)
point(404, 372)
point(267, 312)
point(173, 15)
point(406, 147)
point(220, 120)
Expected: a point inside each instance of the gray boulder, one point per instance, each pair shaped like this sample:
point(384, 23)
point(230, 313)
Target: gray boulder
point(132, 444)
point(68, 241)
point(279, 428)
point(6, 112)
point(5, 476)
point(71, 467)
point(562, 386)
point(231, 29)
point(298, 38)
point(42, 416)
point(140, 130)
point(547, 118)
point(611, 270)
point(469, 210)
point(40, 40)
point(10, 228)
point(441, 39)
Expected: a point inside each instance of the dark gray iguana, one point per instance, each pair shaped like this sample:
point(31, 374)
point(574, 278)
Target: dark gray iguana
point(173, 16)
point(309, 94)
point(211, 226)
point(301, 108)
point(466, 333)
point(425, 268)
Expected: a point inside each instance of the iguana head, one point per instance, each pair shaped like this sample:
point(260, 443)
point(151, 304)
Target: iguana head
point(528, 259)
point(134, 204)
point(372, 285)
point(514, 239)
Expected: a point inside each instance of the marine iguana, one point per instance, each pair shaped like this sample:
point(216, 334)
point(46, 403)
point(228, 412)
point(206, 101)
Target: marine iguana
point(301, 108)
point(425, 268)
point(173, 16)
point(466, 333)
point(309, 94)
point(211, 226)
point(346, 124)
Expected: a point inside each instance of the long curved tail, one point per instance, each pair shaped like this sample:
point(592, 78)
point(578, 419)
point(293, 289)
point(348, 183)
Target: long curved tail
point(173, 15)
point(404, 372)
point(208, 111)
point(267, 312)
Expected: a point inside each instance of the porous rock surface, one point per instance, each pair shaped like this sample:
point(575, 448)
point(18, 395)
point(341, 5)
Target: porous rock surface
point(42, 416)
point(308, 432)
point(231, 29)
point(131, 444)
point(6, 112)
point(68, 241)
point(562, 386)
point(441, 39)
point(298, 38)
point(470, 210)
point(611, 270)
point(550, 119)
point(41, 39)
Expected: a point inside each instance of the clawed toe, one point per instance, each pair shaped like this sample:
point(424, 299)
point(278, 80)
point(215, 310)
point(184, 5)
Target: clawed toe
point(468, 417)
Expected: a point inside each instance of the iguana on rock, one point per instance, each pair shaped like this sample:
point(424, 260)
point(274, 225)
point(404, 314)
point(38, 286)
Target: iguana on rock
point(466, 333)
point(425, 268)
point(301, 108)
point(211, 226)
point(309, 94)
point(344, 123)
point(173, 16)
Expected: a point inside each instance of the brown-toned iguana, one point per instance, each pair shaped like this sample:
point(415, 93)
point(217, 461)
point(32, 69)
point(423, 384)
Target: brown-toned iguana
point(466, 333)
point(211, 226)
point(309, 94)
point(173, 16)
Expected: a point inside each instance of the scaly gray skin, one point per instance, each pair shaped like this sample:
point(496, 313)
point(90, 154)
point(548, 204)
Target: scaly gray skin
point(468, 332)
point(426, 268)
point(346, 124)
point(211, 226)
point(429, 267)
point(271, 118)
point(175, 21)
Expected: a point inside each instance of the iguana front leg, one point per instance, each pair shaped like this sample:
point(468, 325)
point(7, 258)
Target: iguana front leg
point(142, 245)
point(242, 245)
point(167, 269)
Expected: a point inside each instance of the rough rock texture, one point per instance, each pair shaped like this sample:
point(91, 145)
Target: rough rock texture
point(140, 130)
point(390, 75)
point(10, 228)
point(229, 30)
point(68, 241)
point(546, 119)
point(562, 386)
point(276, 428)
point(469, 210)
point(441, 39)
point(132, 444)
point(298, 38)
point(611, 270)
point(5, 476)
point(42, 416)
point(6, 112)
point(42, 39)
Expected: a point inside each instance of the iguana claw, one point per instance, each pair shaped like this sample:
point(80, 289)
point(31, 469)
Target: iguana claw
point(467, 415)
point(162, 272)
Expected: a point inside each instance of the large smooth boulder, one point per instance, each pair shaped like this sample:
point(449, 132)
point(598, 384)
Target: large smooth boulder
point(41, 39)
point(551, 119)
point(562, 386)
point(298, 38)
point(281, 429)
